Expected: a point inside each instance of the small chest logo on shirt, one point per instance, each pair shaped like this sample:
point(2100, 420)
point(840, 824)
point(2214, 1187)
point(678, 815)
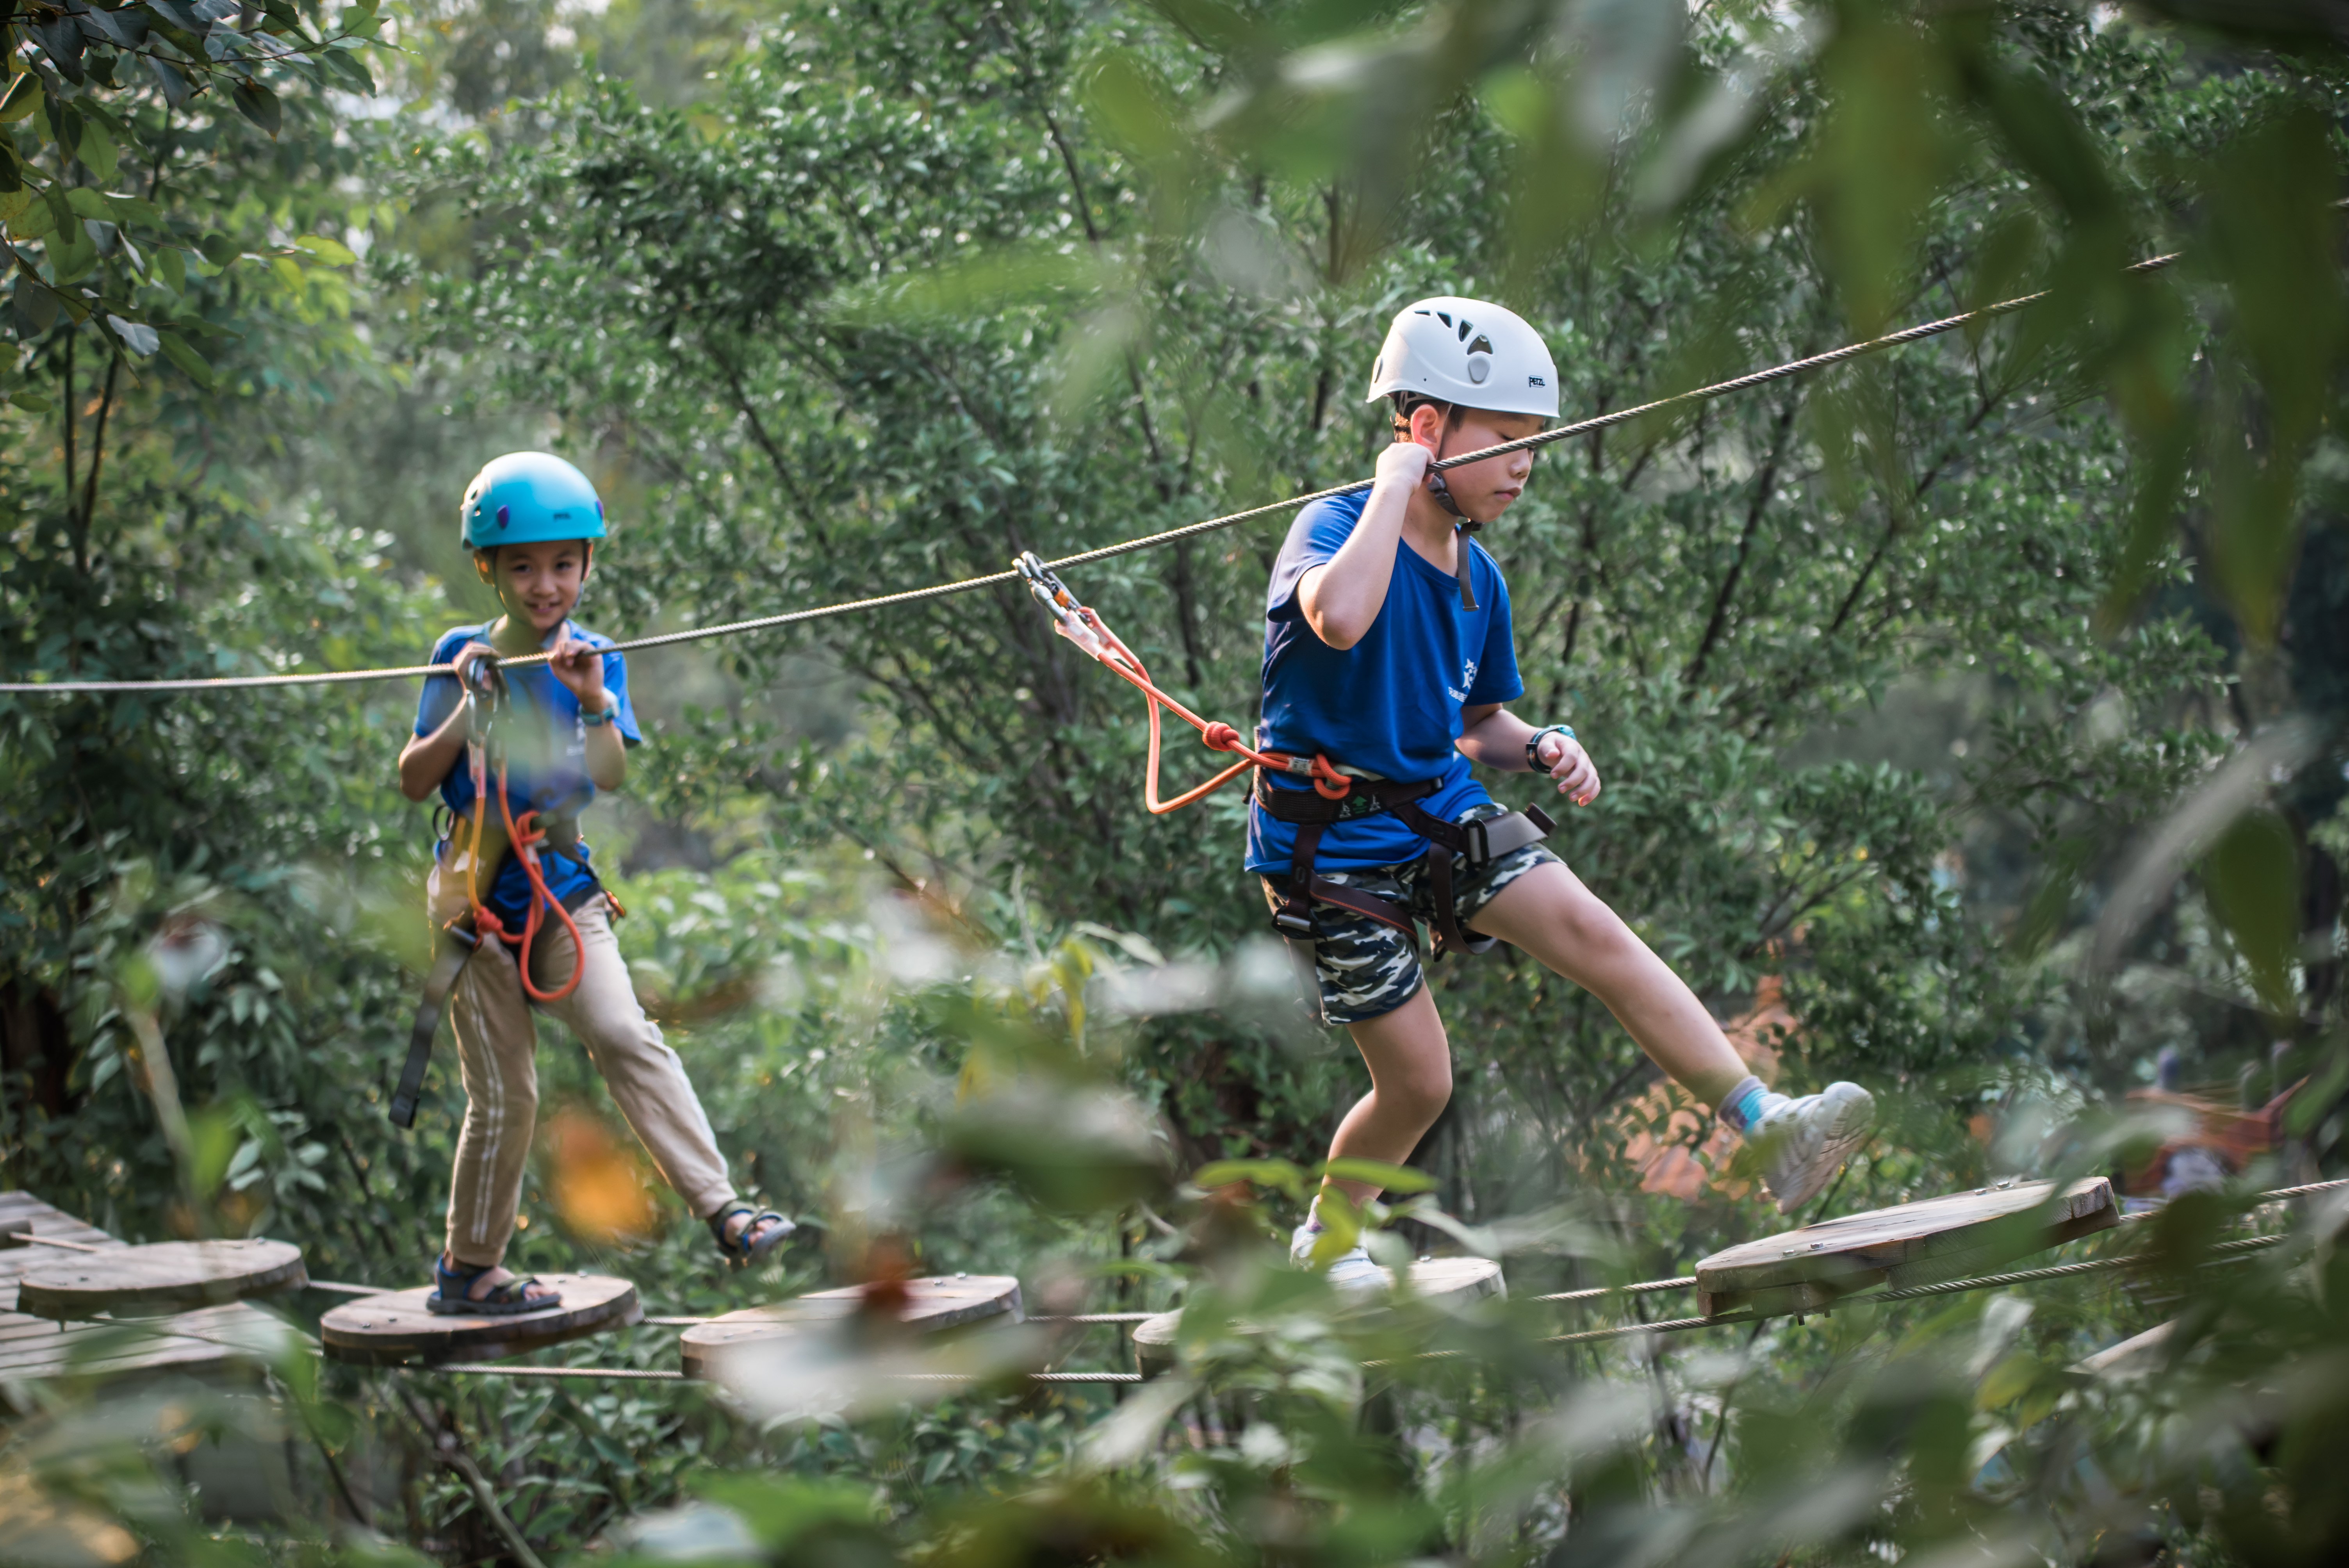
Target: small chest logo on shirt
point(1467, 680)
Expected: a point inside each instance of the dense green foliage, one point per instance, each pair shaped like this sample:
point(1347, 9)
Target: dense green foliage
point(1892, 671)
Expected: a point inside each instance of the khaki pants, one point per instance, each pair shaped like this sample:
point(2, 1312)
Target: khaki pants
point(496, 1043)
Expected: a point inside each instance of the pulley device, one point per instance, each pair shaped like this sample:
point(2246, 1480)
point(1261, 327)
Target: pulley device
point(486, 706)
point(1335, 795)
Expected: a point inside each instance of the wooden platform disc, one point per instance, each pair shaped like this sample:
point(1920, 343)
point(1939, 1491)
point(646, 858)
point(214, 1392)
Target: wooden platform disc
point(1912, 1243)
point(396, 1327)
point(1453, 1281)
point(934, 1304)
point(158, 1278)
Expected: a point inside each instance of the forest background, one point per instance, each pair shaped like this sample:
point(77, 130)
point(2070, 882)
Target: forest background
point(1970, 715)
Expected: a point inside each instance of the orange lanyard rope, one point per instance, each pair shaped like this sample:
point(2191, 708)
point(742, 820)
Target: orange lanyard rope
point(524, 838)
point(1089, 632)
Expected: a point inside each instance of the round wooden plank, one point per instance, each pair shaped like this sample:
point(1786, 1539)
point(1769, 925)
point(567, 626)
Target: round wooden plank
point(1454, 1281)
point(157, 1278)
point(1910, 1243)
point(396, 1327)
point(933, 1305)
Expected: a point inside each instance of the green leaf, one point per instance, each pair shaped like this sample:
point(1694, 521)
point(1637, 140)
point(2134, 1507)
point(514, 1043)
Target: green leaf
point(88, 203)
point(1277, 1173)
point(217, 248)
point(96, 148)
point(167, 76)
point(72, 252)
point(31, 402)
point(350, 68)
point(134, 210)
point(331, 252)
point(24, 96)
point(37, 305)
point(173, 268)
point(36, 221)
point(137, 336)
point(259, 104)
point(176, 350)
point(2253, 881)
point(1393, 1177)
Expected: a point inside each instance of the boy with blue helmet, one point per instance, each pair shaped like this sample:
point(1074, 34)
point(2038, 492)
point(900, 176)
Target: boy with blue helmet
point(561, 732)
point(1389, 650)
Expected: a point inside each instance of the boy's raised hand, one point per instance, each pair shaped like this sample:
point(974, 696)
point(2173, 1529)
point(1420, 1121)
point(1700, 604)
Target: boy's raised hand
point(1404, 463)
point(579, 664)
point(1572, 769)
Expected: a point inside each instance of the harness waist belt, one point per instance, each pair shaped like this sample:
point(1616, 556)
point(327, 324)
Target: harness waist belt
point(1311, 814)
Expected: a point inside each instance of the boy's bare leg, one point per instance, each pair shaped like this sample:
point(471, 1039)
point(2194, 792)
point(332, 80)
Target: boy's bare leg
point(1801, 1141)
point(1549, 914)
point(1410, 1058)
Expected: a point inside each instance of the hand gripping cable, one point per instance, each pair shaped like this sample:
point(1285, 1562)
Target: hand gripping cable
point(1089, 632)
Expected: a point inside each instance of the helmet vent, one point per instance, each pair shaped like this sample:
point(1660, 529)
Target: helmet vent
point(1445, 316)
point(1483, 345)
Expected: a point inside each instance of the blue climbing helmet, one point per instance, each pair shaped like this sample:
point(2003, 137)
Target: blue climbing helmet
point(525, 497)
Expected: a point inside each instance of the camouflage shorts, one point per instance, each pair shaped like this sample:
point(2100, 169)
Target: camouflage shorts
point(1365, 967)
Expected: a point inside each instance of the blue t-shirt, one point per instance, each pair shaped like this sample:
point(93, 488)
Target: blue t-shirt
point(1391, 704)
point(546, 759)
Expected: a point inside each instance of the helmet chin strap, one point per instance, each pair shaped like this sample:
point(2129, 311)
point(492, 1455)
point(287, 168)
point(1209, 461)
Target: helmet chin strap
point(1462, 525)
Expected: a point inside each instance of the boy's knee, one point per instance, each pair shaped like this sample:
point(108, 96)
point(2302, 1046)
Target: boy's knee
point(1590, 927)
point(1427, 1086)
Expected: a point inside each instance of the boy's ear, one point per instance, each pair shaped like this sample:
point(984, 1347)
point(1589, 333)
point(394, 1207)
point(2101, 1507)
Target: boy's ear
point(485, 565)
point(1429, 423)
point(588, 559)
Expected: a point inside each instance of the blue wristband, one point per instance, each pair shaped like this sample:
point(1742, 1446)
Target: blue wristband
point(601, 717)
point(1533, 743)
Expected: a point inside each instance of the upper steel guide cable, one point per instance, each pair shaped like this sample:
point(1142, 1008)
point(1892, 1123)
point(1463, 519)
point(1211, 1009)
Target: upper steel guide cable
point(1746, 382)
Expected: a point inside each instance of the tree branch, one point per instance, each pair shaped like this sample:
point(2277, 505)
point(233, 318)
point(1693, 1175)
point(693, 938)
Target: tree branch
point(1765, 486)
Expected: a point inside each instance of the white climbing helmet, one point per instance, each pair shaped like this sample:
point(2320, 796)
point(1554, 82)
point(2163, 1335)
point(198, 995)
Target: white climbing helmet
point(1466, 352)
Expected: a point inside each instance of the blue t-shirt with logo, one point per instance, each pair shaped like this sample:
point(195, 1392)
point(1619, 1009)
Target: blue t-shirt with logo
point(1391, 704)
point(546, 758)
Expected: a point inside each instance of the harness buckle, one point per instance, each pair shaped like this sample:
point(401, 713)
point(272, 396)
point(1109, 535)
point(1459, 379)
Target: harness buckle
point(1293, 925)
point(1480, 842)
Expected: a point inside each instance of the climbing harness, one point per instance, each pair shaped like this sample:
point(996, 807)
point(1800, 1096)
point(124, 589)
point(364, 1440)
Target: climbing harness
point(456, 939)
point(1625, 415)
point(1335, 796)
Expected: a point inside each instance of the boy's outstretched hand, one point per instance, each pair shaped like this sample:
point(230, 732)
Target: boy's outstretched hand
point(579, 665)
point(1571, 766)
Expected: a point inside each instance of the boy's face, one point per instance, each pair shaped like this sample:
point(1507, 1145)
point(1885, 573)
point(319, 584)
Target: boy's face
point(540, 581)
point(1483, 490)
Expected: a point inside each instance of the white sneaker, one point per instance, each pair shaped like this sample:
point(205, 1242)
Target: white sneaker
point(1801, 1141)
point(1348, 1270)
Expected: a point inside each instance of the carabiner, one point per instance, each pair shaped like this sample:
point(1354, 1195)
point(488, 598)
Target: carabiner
point(1076, 623)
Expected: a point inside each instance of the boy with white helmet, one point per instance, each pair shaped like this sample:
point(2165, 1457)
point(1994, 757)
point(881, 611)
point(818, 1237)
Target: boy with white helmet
point(1389, 650)
point(557, 733)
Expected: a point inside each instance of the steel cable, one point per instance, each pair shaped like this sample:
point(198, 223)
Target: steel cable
point(1744, 383)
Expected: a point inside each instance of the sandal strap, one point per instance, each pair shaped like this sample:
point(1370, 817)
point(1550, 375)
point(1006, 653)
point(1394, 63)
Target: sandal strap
point(740, 1245)
point(457, 1284)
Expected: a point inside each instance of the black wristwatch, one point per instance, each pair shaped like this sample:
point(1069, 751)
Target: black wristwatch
point(1533, 743)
